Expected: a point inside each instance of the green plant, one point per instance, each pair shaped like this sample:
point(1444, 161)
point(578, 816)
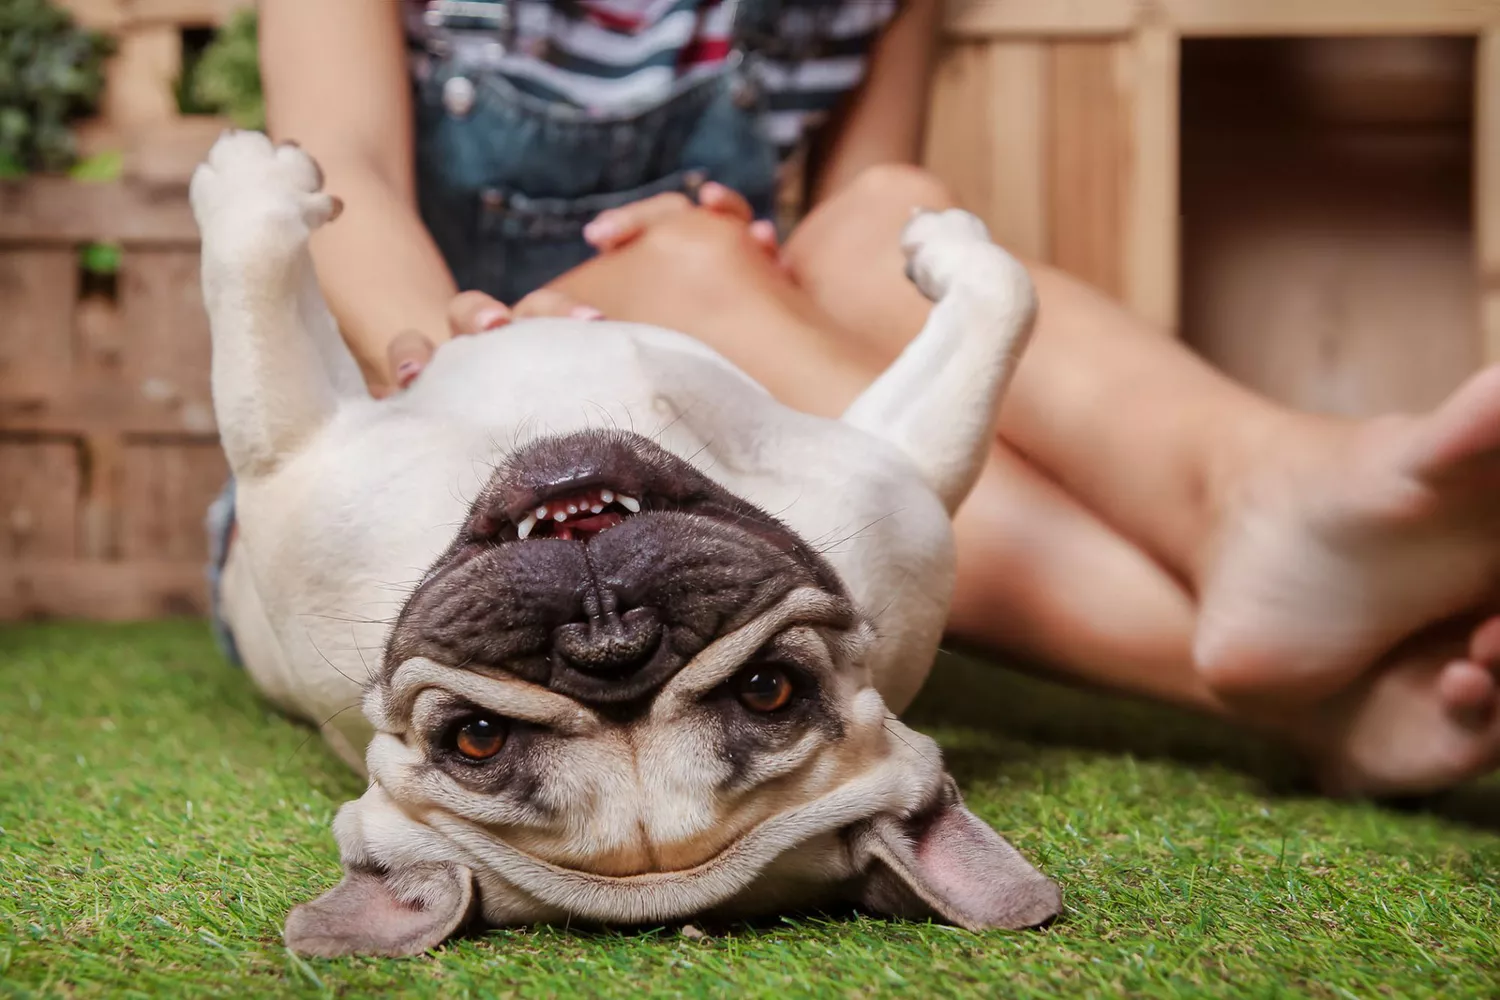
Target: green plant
point(51, 72)
point(225, 79)
point(100, 259)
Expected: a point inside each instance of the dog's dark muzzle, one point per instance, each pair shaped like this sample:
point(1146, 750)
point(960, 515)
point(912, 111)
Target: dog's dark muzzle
point(599, 565)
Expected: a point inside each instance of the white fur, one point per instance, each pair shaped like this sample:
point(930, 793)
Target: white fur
point(344, 501)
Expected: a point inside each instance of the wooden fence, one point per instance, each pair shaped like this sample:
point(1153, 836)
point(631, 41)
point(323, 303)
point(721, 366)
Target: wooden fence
point(1060, 121)
point(1351, 267)
point(108, 455)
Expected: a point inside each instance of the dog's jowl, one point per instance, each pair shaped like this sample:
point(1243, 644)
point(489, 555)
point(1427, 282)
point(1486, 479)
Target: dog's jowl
point(651, 673)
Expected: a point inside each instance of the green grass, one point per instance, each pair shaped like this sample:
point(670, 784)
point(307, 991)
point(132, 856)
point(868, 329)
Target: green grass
point(157, 821)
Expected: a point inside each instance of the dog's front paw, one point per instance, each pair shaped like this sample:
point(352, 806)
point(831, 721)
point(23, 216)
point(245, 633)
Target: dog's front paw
point(941, 246)
point(250, 183)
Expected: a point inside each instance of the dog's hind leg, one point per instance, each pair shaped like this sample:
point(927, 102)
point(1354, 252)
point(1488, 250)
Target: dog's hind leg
point(279, 365)
point(939, 399)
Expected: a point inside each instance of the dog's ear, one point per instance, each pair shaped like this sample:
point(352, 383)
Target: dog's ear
point(383, 913)
point(948, 864)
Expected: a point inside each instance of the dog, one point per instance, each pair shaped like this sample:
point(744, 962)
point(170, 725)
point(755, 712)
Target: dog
point(650, 626)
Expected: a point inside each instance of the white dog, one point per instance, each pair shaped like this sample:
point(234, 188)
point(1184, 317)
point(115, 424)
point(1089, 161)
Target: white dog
point(652, 625)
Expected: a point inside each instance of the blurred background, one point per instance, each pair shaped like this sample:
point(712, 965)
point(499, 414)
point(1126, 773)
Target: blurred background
point(1308, 191)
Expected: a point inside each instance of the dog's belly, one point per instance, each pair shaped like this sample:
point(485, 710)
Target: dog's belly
point(380, 490)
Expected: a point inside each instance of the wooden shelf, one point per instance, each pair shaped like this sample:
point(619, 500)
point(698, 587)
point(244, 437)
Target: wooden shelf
point(976, 19)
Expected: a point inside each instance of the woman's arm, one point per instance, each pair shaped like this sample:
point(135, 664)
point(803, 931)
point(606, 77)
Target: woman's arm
point(883, 122)
point(336, 81)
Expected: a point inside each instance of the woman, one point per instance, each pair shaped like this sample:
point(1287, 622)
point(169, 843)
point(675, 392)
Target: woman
point(1144, 524)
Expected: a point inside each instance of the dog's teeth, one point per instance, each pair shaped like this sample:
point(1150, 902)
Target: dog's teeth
point(598, 508)
point(524, 528)
point(572, 508)
point(629, 503)
point(541, 512)
point(607, 496)
point(561, 515)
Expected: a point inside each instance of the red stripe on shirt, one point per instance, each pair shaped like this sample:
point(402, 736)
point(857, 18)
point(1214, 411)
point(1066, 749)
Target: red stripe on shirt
point(704, 50)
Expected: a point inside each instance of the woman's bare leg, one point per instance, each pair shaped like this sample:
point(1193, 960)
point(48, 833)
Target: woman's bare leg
point(1312, 545)
point(1039, 571)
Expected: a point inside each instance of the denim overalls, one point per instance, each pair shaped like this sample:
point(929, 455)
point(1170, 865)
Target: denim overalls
point(506, 180)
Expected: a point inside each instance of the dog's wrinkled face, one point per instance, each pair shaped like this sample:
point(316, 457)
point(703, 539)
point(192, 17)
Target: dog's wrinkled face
point(624, 694)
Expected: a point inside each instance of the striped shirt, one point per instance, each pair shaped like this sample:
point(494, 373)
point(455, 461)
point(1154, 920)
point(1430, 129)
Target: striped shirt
point(620, 56)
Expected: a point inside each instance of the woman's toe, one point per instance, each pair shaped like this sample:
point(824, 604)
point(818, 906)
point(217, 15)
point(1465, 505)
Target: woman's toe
point(1484, 642)
point(1467, 689)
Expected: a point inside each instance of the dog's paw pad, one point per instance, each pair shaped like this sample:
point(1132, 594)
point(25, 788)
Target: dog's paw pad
point(952, 224)
point(247, 172)
point(939, 246)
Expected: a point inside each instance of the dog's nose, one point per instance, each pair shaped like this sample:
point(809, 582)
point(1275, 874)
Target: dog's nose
point(609, 643)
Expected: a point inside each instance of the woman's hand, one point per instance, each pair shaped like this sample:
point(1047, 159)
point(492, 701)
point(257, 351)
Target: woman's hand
point(616, 227)
point(470, 313)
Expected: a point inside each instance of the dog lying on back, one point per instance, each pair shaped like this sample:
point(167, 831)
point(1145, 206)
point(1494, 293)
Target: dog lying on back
point(622, 689)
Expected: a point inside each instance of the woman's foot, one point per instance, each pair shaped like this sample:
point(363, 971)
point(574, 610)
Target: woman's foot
point(1424, 719)
point(1347, 540)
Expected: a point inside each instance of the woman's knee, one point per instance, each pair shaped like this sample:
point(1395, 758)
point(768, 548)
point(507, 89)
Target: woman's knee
point(701, 243)
point(880, 195)
point(897, 186)
point(868, 211)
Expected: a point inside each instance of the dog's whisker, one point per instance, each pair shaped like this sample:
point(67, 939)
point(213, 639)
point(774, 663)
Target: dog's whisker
point(317, 649)
point(341, 618)
point(316, 732)
point(680, 414)
point(354, 639)
point(907, 743)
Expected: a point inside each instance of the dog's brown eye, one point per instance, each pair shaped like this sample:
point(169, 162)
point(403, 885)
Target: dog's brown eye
point(764, 689)
point(480, 738)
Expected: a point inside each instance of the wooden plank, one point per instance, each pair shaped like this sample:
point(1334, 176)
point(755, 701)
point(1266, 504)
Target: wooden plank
point(141, 77)
point(954, 148)
point(99, 336)
point(1328, 17)
point(975, 19)
point(162, 154)
point(987, 137)
point(1015, 118)
point(167, 154)
point(37, 291)
point(56, 210)
point(1489, 326)
point(167, 349)
point(80, 588)
point(1150, 254)
point(1088, 150)
point(39, 499)
point(166, 488)
point(104, 460)
point(1487, 155)
point(189, 13)
point(101, 15)
point(71, 406)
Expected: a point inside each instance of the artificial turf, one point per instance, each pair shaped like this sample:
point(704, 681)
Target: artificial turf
point(157, 821)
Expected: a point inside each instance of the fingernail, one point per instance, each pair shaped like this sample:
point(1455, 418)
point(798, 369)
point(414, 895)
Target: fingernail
point(586, 312)
point(406, 371)
point(492, 317)
point(600, 231)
